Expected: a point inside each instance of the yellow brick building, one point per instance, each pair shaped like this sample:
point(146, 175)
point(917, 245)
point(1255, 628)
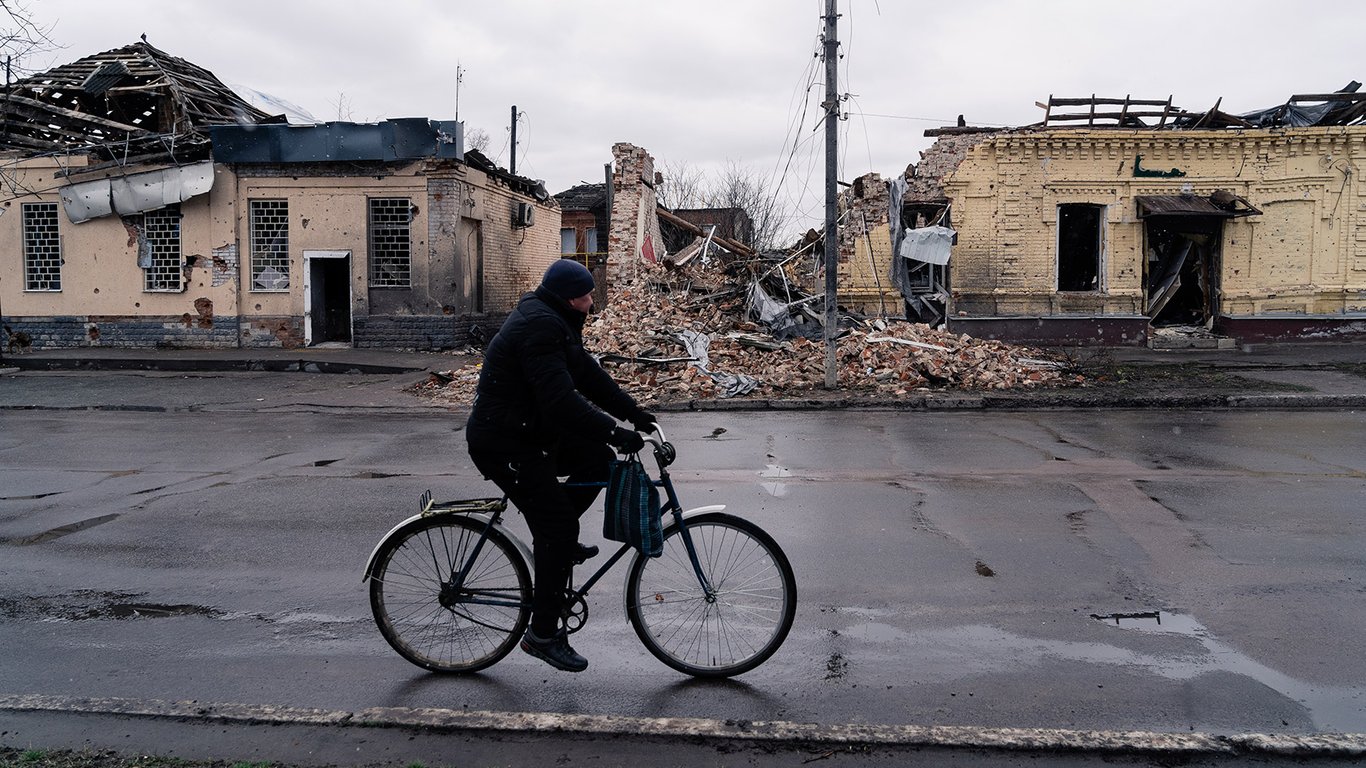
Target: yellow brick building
point(1101, 235)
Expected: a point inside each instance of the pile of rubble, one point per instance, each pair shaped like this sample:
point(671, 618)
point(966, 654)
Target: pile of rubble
point(678, 334)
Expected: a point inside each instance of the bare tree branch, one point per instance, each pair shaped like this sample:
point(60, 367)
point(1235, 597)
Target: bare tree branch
point(681, 185)
point(21, 36)
point(745, 188)
point(478, 140)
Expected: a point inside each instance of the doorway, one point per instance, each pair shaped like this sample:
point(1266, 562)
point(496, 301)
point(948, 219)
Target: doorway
point(327, 297)
point(1182, 270)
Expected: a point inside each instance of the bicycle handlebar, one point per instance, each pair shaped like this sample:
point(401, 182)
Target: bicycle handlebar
point(664, 450)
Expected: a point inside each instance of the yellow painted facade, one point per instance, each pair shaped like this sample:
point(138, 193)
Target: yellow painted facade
point(1304, 254)
point(469, 260)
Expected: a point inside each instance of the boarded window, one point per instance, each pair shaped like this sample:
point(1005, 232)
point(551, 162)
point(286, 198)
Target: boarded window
point(42, 248)
point(1081, 237)
point(158, 240)
point(390, 242)
point(269, 231)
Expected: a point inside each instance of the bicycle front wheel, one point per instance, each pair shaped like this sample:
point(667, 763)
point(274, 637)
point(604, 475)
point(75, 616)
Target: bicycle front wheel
point(441, 626)
point(731, 631)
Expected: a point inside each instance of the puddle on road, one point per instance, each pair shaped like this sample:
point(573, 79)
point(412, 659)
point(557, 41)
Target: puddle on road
point(88, 605)
point(1151, 621)
point(874, 637)
point(1333, 708)
point(774, 471)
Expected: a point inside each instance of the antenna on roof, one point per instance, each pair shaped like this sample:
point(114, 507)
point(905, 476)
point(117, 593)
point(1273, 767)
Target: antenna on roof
point(459, 76)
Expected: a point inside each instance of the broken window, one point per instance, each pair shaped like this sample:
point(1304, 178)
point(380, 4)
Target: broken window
point(269, 232)
point(390, 239)
point(568, 241)
point(42, 248)
point(158, 239)
point(1081, 239)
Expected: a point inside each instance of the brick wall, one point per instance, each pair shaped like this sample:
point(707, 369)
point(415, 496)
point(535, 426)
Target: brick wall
point(865, 248)
point(131, 332)
point(515, 258)
point(633, 234)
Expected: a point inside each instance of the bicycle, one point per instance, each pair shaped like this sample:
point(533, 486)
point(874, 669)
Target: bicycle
point(450, 587)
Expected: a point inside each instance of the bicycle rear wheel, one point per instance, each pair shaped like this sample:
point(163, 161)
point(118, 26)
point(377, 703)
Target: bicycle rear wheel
point(435, 626)
point(749, 615)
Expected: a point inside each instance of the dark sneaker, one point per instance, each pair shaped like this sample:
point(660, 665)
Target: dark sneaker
point(555, 651)
point(583, 553)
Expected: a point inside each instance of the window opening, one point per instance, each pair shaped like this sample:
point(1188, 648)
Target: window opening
point(568, 241)
point(390, 239)
point(42, 248)
point(269, 234)
point(1081, 236)
point(158, 234)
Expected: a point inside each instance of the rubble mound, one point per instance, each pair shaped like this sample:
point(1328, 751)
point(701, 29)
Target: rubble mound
point(673, 336)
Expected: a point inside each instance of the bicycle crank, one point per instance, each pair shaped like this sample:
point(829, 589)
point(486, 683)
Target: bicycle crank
point(574, 613)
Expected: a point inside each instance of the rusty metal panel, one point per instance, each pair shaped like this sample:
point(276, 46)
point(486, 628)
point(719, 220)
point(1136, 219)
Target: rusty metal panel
point(1178, 205)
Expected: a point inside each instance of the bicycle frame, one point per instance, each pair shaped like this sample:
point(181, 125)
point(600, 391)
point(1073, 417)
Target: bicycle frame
point(490, 512)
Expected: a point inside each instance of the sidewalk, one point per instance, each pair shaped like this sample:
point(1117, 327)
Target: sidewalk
point(1300, 375)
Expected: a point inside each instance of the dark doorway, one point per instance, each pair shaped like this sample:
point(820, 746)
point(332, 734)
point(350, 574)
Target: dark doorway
point(1182, 269)
point(329, 292)
point(1080, 237)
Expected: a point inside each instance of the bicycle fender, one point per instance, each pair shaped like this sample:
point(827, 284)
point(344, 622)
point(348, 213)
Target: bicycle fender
point(695, 511)
point(480, 516)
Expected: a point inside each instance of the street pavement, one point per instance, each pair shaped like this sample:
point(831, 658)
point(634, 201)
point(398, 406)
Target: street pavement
point(1314, 374)
point(380, 380)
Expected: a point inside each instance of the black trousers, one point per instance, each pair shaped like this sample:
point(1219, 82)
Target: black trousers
point(530, 478)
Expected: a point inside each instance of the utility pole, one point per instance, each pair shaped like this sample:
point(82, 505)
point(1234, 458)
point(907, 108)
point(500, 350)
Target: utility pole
point(512, 164)
point(832, 116)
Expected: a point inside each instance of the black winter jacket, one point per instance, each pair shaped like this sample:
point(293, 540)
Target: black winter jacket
point(538, 384)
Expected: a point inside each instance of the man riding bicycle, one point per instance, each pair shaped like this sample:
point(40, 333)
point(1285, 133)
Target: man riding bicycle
point(538, 415)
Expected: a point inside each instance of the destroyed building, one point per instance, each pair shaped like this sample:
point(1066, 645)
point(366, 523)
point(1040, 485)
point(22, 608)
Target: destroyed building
point(151, 206)
point(1113, 221)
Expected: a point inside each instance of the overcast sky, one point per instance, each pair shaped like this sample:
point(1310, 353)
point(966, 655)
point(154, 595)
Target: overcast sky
point(711, 82)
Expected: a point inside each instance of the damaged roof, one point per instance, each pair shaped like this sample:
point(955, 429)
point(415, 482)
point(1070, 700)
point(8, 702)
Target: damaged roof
point(129, 104)
point(1342, 107)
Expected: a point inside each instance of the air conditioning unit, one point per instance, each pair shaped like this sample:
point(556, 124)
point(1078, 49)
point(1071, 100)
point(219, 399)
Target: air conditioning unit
point(525, 215)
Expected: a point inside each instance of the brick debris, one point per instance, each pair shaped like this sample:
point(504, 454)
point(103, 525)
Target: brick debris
point(640, 337)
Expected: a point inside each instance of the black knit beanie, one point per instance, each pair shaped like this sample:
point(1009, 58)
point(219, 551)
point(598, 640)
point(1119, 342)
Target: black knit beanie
point(568, 279)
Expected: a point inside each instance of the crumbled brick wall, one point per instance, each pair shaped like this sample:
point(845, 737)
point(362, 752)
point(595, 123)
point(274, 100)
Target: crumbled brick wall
point(924, 180)
point(634, 232)
point(865, 248)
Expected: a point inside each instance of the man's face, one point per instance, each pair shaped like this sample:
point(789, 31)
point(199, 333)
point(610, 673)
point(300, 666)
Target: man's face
point(583, 303)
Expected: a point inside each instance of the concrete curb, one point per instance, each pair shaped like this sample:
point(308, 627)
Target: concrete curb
point(1042, 401)
point(181, 365)
point(770, 732)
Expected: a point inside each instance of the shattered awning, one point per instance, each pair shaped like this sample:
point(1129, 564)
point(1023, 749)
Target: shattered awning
point(1221, 204)
point(135, 193)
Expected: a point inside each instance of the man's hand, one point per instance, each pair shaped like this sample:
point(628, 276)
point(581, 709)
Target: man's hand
point(626, 441)
point(644, 421)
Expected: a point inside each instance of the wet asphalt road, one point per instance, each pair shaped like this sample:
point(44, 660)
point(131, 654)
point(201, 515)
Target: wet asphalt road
point(949, 565)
